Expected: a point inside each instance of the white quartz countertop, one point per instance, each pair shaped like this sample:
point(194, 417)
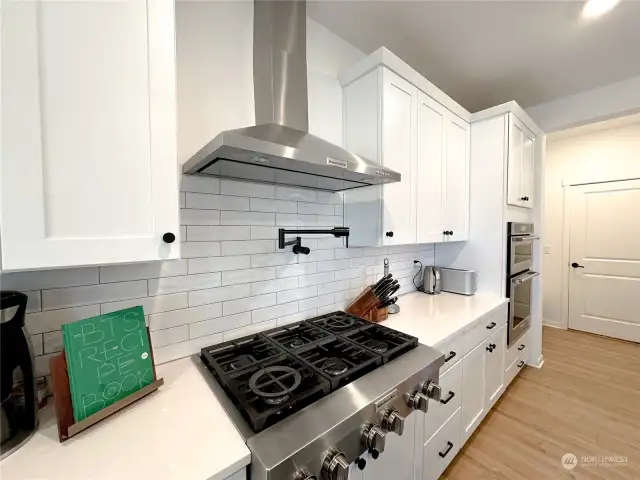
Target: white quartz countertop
point(179, 432)
point(436, 318)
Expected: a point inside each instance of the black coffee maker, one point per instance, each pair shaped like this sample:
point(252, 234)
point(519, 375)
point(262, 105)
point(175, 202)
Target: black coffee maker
point(18, 417)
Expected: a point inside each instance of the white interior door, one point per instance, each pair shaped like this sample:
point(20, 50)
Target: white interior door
point(431, 150)
point(456, 179)
point(400, 105)
point(604, 283)
point(89, 168)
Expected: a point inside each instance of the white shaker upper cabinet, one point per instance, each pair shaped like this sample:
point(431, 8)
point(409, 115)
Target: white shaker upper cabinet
point(442, 174)
point(380, 123)
point(89, 167)
point(520, 168)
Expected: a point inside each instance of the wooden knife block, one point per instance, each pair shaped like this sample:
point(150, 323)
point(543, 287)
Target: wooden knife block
point(364, 306)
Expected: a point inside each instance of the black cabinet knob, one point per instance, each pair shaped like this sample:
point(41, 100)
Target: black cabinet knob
point(389, 234)
point(375, 454)
point(450, 232)
point(169, 237)
point(489, 349)
point(577, 265)
point(361, 462)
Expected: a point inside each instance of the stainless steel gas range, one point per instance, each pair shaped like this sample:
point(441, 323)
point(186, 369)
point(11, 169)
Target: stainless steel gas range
point(313, 396)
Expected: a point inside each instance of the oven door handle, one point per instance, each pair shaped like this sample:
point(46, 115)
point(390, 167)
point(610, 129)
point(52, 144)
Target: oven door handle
point(524, 278)
point(524, 239)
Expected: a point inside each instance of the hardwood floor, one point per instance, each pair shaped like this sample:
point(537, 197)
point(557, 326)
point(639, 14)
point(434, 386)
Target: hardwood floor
point(585, 400)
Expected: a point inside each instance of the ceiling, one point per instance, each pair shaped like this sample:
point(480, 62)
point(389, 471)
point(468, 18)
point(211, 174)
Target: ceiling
point(485, 53)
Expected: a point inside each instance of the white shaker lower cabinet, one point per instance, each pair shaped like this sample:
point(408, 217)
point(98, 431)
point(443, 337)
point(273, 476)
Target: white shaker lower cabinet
point(494, 366)
point(473, 396)
point(89, 163)
point(442, 447)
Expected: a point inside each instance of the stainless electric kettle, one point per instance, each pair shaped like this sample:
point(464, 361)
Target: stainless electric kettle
point(431, 282)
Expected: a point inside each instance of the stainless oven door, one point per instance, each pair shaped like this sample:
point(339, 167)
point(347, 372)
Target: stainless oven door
point(521, 254)
point(519, 306)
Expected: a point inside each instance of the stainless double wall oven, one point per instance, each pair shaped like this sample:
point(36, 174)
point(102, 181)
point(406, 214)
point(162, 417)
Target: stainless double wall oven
point(520, 250)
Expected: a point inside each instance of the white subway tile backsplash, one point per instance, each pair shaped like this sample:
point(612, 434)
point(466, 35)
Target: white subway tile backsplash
point(159, 286)
point(161, 338)
point(296, 220)
point(248, 330)
point(271, 286)
point(315, 302)
point(216, 325)
point(217, 202)
point(296, 194)
point(182, 199)
point(41, 365)
point(234, 277)
point(190, 216)
point(295, 270)
point(280, 206)
point(91, 294)
point(315, 279)
point(315, 208)
point(192, 183)
point(247, 218)
point(140, 271)
point(200, 249)
point(183, 349)
point(264, 233)
point(246, 304)
point(218, 264)
point(297, 317)
point(41, 279)
point(52, 320)
point(213, 233)
point(37, 344)
point(161, 303)
point(175, 318)
point(273, 259)
point(269, 313)
point(297, 294)
point(247, 247)
point(248, 189)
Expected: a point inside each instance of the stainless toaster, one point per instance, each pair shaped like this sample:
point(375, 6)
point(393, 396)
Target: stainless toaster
point(458, 280)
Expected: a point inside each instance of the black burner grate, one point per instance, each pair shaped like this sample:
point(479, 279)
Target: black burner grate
point(238, 354)
point(338, 323)
point(271, 391)
point(297, 335)
point(340, 361)
point(382, 340)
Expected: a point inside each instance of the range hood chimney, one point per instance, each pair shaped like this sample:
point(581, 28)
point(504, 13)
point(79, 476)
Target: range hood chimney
point(280, 149)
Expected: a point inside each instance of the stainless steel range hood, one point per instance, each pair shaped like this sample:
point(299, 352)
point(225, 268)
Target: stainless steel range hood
point(280, 149)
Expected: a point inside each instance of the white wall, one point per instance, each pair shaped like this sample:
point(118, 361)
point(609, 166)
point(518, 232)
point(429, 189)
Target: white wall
point(609, 101)
point(214, 43)
point(575, 157)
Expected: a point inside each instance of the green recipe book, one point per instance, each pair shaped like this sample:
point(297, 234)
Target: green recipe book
point(108, 358)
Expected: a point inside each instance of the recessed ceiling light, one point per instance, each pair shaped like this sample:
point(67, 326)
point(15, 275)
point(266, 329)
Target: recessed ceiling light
point(595, 8)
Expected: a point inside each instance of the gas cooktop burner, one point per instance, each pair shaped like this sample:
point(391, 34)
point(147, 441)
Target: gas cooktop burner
point(378, 346)
point(242, 361)
point(334, 366)
point(296, 342)
point(275, 383)
point(339, 323)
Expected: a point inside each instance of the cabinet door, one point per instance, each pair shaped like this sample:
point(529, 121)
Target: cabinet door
point(89, 168)
point(456, 179)
point(514, 166)
point(399, 120)
point(527, 167)
point(397, 460)
point(494, 366)
point(432, 119)
point(473, 397)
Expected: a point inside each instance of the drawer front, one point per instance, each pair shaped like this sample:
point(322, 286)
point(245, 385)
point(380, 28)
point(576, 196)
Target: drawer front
point(490, 324)
point(440, 412)
point(513, 370)
point(453, 352)
point(518, 349)
point(442, 448)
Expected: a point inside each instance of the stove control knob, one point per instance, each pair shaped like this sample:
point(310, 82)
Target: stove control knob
point(304, 475)
point(335, 465)
point(393, 421)
point(418, 401)
point(432, 390)
point(373, 437)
